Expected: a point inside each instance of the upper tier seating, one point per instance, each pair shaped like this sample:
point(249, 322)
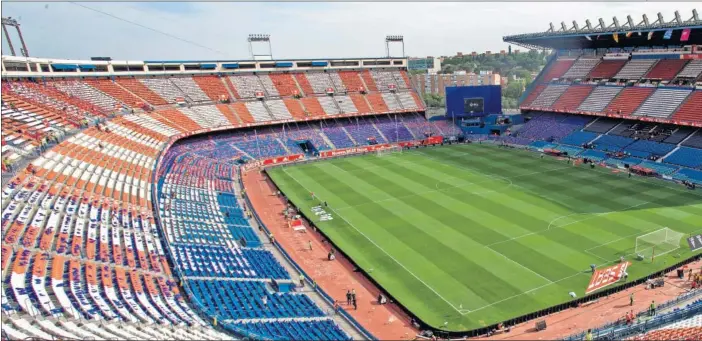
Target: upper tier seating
point(581, 68)
point(212, 86)
point(352, 81)
point(662, 103)
point(666, 69)
point(138, 88)
point(88, 93)
point(599, 98)
point(164, 88)
point(635, 68)
point(247, 85)
point(692, 70)
point(691, 109)
point(383, 79)
point(312, 107)
point(369, 82)
point(558, 69)
point(191, 89)
point(284, 84)
point(533, 95)
point(607, 69)
point(270, 88)
point(549, 95)
point(628, 100)
point(111, 88)
point(337, 81)
point(571, 98)
point(319, 82)
point(685, 156)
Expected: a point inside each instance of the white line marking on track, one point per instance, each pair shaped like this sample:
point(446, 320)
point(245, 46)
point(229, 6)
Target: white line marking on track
point(380, 248)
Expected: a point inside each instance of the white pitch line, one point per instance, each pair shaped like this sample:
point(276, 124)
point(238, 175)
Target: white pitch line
point(594, 215)
point(492, 178)
point(515, 262)
point(379, 248)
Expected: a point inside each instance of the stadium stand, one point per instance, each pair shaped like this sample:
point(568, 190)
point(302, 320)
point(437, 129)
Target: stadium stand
point(212, 86)
point(191, 89)
point(284, 84)
point(606, 69)
point(88, 93)
point(246, 86)
point(533, 95)
point(628, 100)
point(662, 103)
point(572, 98)
point(137, 88)
point(599, 98)
point(666, 69)
point(558, 69)
point(692, 70)
point(164, 88)
point(689, 110)
point(578, 138)
point(581, 68)
point(685, 156)
point(549, 95)
point(112, 89)
point(635, 69)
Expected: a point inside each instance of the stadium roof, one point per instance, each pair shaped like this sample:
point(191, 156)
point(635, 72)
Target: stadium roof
point(628, 34)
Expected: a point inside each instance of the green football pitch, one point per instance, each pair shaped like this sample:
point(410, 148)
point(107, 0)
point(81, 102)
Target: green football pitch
point(466, 236)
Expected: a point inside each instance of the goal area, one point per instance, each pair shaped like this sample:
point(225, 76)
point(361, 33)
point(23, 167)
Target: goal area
point(389, 151)
point(657, 243)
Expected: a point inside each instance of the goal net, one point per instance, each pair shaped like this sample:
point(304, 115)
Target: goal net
point(657, 243)
point(389, 151)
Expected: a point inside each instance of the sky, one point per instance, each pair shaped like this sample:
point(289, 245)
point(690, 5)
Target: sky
point(218, 30)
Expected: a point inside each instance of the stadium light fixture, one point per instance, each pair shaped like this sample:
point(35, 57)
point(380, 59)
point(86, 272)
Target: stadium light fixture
point(389, 39)
point(9, 21)
point(265, 39)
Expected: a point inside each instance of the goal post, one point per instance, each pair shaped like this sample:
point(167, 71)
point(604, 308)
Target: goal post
point(389, 151)
point(657, 243)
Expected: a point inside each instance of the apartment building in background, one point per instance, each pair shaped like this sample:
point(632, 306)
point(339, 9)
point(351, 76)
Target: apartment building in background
point(437, 83)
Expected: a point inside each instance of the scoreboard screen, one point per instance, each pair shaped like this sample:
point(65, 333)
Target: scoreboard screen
point(473, 105)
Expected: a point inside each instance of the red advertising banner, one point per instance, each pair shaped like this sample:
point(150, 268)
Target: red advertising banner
point(272, 161)
point(353, 150)
point(607, 276)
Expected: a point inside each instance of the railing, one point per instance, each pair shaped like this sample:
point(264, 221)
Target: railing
point(615, 333)
point(607, 328)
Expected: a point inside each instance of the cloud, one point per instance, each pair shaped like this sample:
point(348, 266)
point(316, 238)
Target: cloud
point(298, 30)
